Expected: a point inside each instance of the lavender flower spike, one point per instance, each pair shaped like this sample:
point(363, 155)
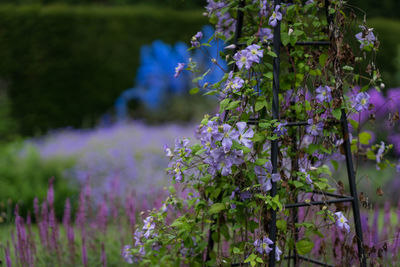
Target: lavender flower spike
point(341, 221)
point(275, 17)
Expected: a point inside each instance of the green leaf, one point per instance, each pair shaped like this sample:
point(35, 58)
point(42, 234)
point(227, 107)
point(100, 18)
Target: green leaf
point(260, 103)
point(261, 162)
point(237, 251)
point(337, 113)
point(322, 59)
point(281, 225)
point(233, 105)
point(304, 246)
point(371, 155)
point(297, 184)
point(272, 54)
point(224, 103)
point(348, 68)
point(364, 138)
point(285, 38)
point(354, 123)
point(216, 208)
point(335, 164)
point(194, 91)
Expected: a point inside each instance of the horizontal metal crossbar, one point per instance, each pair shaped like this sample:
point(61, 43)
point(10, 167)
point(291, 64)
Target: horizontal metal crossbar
point(320, 263)
point(329, 194)
point(305, 43)
point(316, 203)
point(290, 124)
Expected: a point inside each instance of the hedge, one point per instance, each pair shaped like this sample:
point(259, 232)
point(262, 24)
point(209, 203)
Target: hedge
point(66, 65)
point(388, 58)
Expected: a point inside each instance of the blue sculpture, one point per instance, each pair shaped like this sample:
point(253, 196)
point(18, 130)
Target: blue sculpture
point(155, 76)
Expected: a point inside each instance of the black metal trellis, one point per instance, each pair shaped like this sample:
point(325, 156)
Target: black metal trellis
point(353, 198)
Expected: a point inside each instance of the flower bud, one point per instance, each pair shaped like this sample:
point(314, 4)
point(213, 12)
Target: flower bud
point(290, 31)
point(382, 86)
point(232, 46)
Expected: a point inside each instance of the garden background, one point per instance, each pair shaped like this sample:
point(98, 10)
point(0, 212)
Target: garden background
point(64, 66)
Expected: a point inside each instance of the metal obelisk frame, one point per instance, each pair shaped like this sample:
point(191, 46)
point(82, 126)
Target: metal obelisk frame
point(353, 198)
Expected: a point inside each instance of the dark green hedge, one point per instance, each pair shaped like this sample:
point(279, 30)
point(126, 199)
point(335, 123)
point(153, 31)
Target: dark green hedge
point(388, 58)
point(66, 65)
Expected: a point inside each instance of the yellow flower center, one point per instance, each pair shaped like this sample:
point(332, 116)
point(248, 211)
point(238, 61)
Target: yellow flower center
point(341, 220)
point(243, 59)
point(209, 129)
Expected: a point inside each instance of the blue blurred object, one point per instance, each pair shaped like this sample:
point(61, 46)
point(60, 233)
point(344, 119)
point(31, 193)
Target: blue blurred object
point(155, 76)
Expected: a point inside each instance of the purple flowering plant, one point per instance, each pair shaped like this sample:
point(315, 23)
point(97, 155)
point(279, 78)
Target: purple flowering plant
point(227, 172)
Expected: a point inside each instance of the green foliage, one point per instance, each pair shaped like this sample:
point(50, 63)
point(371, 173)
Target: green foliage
point(24, 175)
point(67, 65)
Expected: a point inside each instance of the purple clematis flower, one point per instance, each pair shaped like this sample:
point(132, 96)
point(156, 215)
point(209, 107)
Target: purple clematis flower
point(265, 176)
point(323, 94)
point(255, 53)
point(366, 37)
point(179, 69)
point(341, 221)
point(168, 151)
point(227, 138)
point(148, 226)
point(262, 246)
point(127, 254)
point(361, 101)
point(275, 17)
point(195, 39)
point(243, 135)
point(308, 178)
point(232, 84)
point(265, 34)
point(242, 59)
point(280, 129)
point(314, 129)
point(278, 253)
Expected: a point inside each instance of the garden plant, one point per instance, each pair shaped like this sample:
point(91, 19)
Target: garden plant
point(250, 163)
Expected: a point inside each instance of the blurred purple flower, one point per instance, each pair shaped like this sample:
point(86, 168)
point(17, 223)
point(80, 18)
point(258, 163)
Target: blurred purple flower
point(314, 129)
point(265, 34)
point(179, 69)
point(127, 254)
point(195, 39)
point(323, 94)
point(366, 37)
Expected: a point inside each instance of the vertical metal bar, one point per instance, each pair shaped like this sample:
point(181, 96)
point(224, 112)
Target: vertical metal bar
point(295, 168)
point(353, 190)
point(274, 144)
